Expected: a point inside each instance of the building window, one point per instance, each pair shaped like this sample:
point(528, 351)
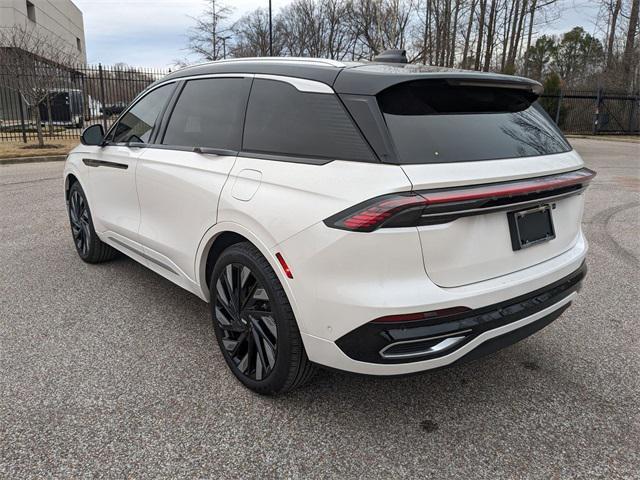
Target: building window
point(79, 44)
point(31, 11)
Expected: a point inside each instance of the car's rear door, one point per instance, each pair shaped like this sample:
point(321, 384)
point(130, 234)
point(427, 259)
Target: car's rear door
point(179, 179)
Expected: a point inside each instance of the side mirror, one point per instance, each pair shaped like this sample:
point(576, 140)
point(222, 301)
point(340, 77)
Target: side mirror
point(93, 135)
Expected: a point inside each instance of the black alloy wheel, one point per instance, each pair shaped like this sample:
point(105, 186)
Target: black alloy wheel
point(80, 222)
point(254, 323)
point(243, 313)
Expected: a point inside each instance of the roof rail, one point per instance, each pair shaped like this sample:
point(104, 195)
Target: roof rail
point(305, 60)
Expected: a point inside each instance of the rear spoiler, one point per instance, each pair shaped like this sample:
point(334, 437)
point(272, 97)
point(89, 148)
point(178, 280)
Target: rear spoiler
point(373, 78)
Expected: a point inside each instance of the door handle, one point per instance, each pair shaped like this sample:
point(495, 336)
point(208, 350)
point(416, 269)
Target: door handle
point(215, 151)
point(90, 162)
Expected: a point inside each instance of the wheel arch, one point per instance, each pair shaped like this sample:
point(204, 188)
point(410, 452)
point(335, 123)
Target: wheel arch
point(223, 235)
point(69, 180)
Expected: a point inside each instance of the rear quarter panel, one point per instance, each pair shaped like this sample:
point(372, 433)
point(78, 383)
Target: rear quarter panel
point(290, 197)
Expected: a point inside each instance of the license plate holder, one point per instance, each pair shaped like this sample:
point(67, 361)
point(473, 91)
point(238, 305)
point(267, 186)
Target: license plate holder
point(531, 226)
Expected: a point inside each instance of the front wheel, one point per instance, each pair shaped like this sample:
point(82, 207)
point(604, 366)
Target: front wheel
point(89, 247)
point(254, 324)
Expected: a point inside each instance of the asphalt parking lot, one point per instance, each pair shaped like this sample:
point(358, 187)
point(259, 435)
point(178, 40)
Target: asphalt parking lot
point(112, 371)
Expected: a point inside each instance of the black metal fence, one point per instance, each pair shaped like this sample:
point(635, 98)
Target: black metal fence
point(593, 113)
point(78, 96)
point(72, 99)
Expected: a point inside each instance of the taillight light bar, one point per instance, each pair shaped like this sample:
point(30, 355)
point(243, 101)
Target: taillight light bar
point(405, 209)
point(510, 189)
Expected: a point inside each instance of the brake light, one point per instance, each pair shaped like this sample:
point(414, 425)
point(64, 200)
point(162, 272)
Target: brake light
point(370, 215)
point(405, 209)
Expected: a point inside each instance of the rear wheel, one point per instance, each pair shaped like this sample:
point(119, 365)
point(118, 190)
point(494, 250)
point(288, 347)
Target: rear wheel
point(89, 247)
point(254, 324)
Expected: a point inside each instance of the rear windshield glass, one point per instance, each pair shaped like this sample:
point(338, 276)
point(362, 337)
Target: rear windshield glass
point(433, 122)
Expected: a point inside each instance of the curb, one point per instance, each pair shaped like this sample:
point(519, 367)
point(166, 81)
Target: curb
point(45, 158)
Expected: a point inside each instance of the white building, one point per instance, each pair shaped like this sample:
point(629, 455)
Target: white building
point(60, 19)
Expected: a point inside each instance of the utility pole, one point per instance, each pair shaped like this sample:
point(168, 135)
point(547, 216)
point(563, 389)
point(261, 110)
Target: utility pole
point(224, 45)
point(214, 55)
point(270, 31)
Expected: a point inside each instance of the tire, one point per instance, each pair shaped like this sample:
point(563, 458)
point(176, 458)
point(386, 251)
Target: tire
point(265, 320)
point(89, 247)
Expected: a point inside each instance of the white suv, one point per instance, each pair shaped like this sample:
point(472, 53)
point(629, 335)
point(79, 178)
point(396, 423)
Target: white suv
point(378, 218)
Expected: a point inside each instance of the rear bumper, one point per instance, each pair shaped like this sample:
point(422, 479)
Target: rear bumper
point(485, 343)
point(492, 327)
point(393, 343)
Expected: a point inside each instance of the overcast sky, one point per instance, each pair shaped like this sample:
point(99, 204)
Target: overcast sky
point(152, 32)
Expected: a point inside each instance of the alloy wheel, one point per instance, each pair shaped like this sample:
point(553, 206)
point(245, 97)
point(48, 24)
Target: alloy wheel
point(244, 315)
point(79, 216)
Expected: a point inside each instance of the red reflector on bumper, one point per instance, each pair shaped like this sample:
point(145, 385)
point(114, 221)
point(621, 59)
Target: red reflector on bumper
point(414, 317)
point(283, 264)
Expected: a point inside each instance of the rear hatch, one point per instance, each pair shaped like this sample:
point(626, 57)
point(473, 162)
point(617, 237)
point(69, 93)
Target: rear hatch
point(473, 148)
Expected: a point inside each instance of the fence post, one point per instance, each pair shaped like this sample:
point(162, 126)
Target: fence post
point(596, 119)
point(24, 128)
point(632, 114)
point(558, 109)
point(104, 100)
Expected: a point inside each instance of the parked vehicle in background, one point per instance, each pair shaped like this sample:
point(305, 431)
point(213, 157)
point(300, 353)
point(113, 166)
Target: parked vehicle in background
point(66, 106)
point(95, 108)
point(377, 218)
point(114, 108)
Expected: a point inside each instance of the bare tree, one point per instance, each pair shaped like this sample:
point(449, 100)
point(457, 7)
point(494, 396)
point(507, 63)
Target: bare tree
point(33, 64)
point(252, 35)
point(208, 36)
point(467, 38)
point(488, 35)
point(615, 12)
point(630, 56)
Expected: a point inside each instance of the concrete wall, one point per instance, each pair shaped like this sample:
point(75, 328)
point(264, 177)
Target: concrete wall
point(58, 18)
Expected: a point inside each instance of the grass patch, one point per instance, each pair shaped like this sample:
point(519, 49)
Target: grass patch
point(62, 146)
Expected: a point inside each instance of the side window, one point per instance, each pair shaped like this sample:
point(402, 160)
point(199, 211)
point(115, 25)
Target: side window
point(136, 125)
point(282, 120)
point(209, 113)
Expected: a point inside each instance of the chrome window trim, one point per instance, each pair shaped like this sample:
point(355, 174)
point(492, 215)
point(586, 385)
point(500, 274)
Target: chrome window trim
point(300, 84)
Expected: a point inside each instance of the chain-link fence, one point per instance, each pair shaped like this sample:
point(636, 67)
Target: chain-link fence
point(593, 113)
point(72, 99)
point(79, 96)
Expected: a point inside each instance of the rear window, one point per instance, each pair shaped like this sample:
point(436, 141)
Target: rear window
point(209, 113)
point(433, 122)
point(282, 120)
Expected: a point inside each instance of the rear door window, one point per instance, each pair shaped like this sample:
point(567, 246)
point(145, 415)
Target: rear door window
point(209, 113)
point(282, 120)
point(433, 122)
